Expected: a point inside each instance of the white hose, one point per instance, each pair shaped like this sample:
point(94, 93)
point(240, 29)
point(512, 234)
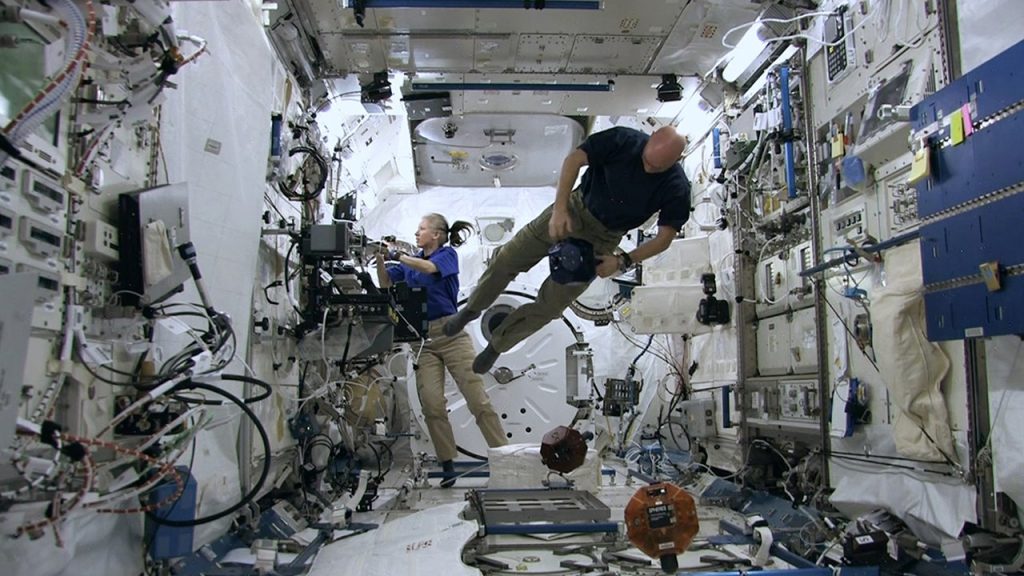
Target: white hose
point(74, 40)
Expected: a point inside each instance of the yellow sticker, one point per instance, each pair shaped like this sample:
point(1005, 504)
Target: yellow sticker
point(956, 127)
point(991, 274)
point(838, 146)
point(921, 167)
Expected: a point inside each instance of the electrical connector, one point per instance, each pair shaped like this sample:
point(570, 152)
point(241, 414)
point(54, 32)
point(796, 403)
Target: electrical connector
point(854, 293)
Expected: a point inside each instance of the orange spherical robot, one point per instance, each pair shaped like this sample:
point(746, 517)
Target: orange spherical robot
point(661, 520)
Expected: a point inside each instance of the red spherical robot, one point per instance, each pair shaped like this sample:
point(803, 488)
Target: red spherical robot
point(564, 449)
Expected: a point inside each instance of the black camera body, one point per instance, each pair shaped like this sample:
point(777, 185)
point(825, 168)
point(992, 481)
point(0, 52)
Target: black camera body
point(711, 311)
point(572, 261)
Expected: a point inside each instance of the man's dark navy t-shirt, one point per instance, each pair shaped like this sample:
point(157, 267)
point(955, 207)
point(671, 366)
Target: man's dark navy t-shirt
point(442, 286)
point(618, 191)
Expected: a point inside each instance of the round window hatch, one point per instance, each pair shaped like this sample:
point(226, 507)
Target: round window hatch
point(493, 318)
point(498, 161)
point(494, 232)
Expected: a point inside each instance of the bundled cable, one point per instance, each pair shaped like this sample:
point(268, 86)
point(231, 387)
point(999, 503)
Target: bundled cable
point(290, 193)
point(50, 98)
point(255, 490)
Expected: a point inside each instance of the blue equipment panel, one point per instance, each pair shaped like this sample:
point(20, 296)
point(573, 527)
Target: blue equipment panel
point(172, 541)
point(972, 202)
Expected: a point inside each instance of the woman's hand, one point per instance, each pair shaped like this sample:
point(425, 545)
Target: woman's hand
point(388, 252)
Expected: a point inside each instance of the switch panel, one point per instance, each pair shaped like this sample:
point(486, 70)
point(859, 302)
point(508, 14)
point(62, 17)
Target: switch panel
point(6, 222)
point(42, 193)
point(850, 225)
point(40, 239)
point(799, 400)
point(902, 205)
point(699, 417)
point(773, 286)
point(853, 221)
point(101, 240)
point(840, 49)
point(48, 287)
point(801, 258)
point(803, 342)
point(773, 346)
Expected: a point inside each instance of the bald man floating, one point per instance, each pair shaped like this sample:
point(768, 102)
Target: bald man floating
point(631, 177)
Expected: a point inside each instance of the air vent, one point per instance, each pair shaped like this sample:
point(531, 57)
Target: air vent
point(769, 282)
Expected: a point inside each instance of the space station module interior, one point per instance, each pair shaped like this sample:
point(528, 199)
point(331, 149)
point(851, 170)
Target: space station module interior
point(206, 366)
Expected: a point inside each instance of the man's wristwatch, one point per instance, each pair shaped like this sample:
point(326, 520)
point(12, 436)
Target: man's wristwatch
point(625, 262)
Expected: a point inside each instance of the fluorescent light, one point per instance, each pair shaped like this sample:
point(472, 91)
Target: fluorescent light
point(551, 4)
point(487, 85)
point(744, 54)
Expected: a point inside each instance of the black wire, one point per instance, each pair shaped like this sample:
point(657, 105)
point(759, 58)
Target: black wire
point(472, 455)
point(662, 357)
point(380, 475)
point(254, 491)
point(327, 102)
point(348, 340)
point(885, 457)
point(269, 201)
point(287, 277)
point(180, 363)
point(135, 382)
point(162, 307)
point(900, 466)
point(302, 380)
point(320, 439)
point(266, 294)
point(642, 352)
point(137, 371)
point(686, 434)
point(875, 365)
point(324, 173)
point(391, 457)
point(852, 335)
point(97, 376)
point(267, 391)
point(101, 102)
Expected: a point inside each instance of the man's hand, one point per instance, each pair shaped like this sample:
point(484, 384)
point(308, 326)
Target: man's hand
point(607, 266)
point(560, 225)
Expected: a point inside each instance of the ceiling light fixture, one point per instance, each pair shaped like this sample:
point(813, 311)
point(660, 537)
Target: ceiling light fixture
point(547, 5)
point(744, 54)
point(515, 86)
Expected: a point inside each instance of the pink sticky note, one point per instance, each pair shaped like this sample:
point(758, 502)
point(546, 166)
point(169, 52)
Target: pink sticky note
point(968, 123)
